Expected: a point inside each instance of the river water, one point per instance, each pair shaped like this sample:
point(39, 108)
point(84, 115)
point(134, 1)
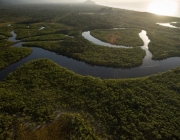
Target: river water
point(148, 67)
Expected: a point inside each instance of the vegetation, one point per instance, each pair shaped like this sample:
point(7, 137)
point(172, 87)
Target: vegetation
point(33, 30)
point(67, 126)
point(141, 108)
point(81, 49)
point(176, 24)
point(164, 45)
point(5, 30)
point(42, 100)
point(130, 19)
point(11, 55)
point(99, 18)
point(4, 44)
point(51, 37)
point(2, 37)
point(125, 37)
point(8, 54)
point(87, 21)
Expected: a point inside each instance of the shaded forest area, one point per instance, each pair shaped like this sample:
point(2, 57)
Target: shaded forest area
point(41, 91)
point(83, 50)
point(9, 54)
point(43, 100)
point(126, 37)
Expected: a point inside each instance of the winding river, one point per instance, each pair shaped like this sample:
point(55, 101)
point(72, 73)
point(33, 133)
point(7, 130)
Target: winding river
point(148, 67)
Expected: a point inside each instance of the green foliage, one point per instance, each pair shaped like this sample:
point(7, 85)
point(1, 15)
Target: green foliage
point(141, 108)
point(4, 44)
point(87, 21)
point(5, 30)
point(164, 44)
point(33, 30)
point(176, 24)
point(83, 50)
point(50, 37)
point(2, 37)
point(89, 18)
point(125, 37)
point(6, 126)
point(12, 55)
point(68, 126)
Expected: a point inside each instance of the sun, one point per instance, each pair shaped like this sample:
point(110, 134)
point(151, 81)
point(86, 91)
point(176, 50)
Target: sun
point(163, 7)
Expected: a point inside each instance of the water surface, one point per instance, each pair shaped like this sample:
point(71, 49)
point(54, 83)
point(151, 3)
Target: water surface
point(148, 67)
point(41, 28)
point(167, 24)
point(88, 36)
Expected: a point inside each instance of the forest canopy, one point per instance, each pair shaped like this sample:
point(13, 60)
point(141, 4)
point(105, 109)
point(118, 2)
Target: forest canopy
point(42, 100)
point(40, 91)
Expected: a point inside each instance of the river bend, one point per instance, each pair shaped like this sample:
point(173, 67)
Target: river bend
point(148, 67)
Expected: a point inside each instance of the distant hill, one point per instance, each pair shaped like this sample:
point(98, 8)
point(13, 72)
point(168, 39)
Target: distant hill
point(89, 2)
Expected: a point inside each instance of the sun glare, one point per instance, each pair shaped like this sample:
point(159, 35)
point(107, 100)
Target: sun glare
point(163, 7)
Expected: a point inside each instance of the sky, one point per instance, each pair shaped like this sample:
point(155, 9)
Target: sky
point(111, 0)
point(153, 6)
point(97, 1)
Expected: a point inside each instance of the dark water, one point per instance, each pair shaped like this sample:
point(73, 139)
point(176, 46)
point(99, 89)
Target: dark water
point(148, 67)
point(88, 36)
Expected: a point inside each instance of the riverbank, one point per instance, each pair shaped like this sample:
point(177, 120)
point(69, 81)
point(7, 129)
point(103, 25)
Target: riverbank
point(82, 50)
point(148, 67)
point(51, 99)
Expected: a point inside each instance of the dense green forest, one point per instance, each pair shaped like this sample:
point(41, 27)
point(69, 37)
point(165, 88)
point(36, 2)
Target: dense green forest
point(9, 54)
point(4, 43)
point(12, 55)
point(90, 18)
point(42, 100)
point(177, 24)
point(81, 49)
point(126, 37)
point(5, 30)
point(51, 37)
point(164, 45)
point(32, 30)
point(2, 37)
point(130, 19)
point(90, 108)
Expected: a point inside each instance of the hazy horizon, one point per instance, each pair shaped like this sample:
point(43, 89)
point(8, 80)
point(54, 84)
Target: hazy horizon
point(137, 5)
point(74, 1)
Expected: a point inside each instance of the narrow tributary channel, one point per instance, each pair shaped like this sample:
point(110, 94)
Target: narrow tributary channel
point(148, 67)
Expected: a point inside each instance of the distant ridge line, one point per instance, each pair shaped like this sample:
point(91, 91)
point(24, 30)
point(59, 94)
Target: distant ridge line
point(90, 2)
